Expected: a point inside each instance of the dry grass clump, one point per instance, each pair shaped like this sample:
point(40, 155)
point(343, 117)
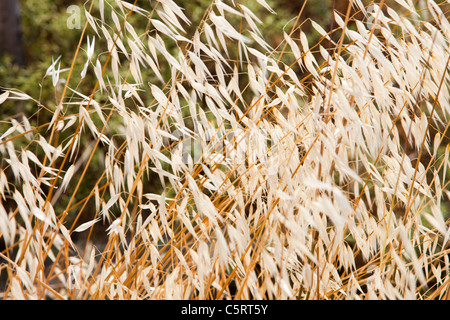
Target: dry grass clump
point(291, 172)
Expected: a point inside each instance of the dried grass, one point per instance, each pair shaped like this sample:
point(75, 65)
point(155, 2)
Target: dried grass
point(329, 183)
